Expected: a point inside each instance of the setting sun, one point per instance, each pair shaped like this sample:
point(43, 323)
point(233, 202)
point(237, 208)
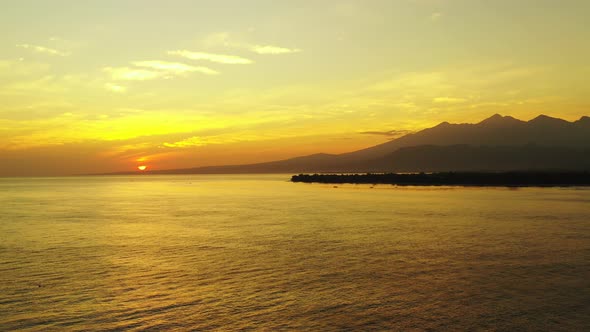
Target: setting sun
point(435, 153)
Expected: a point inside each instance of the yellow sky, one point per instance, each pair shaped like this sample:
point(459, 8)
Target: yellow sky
point(101, 86)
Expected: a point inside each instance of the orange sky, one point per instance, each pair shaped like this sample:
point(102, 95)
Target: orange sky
point(107, 86)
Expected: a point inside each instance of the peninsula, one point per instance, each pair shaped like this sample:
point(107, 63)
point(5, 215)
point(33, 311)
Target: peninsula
point(483, 179)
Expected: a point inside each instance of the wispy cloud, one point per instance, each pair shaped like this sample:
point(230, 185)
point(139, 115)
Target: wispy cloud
point(224, 138)
point(436, 16)
point(224, 39)
point(154, 69)
point(42, 49)
point(115, 88)
point(188, 142)
point(388, 133)
point(133, 74)
point(269, 49)
point(219, 58)
point(448, 100)
point(174, 67)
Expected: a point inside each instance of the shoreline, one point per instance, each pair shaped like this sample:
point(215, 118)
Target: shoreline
point(472, 179)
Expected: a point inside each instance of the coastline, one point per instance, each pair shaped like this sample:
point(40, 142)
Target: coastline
point(478, 179)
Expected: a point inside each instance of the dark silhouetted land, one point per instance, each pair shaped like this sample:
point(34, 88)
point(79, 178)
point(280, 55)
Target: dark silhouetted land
point(511, 179)
point(497, 144)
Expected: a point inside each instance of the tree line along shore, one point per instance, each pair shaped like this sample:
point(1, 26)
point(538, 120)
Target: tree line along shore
point(512, 179)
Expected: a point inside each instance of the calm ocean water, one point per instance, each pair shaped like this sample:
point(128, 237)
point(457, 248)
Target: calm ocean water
point(199, 252)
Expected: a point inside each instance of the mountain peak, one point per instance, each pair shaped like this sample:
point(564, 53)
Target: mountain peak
point(442, 124)
point(498, 119)
point(544, 119)
point(541, 117)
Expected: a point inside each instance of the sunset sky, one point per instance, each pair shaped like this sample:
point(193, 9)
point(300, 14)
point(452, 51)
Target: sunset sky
point(104, 86)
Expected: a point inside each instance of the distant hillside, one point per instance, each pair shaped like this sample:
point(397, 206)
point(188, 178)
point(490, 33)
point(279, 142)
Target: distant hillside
point(430, 158)
point(495, 131)
point(496, 143)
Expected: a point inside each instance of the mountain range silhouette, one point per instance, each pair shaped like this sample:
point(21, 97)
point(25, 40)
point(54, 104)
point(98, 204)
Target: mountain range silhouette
point(498, 143)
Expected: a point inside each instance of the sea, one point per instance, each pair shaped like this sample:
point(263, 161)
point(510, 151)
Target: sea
point(259, 253)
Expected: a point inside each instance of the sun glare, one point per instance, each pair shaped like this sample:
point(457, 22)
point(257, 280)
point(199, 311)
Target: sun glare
point(142, 168)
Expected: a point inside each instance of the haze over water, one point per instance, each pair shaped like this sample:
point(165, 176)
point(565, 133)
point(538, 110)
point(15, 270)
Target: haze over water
point(258, 252)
